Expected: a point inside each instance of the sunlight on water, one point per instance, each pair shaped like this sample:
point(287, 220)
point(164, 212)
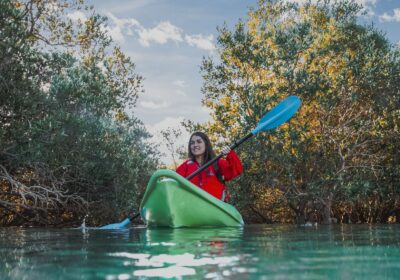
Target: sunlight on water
point(171, 271)
point(251, 252)
point(180, 260)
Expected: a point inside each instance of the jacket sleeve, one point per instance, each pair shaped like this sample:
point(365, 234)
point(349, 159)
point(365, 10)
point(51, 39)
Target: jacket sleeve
point(230, 167)
point(182, 169)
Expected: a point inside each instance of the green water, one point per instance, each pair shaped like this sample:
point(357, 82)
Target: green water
point(252, 252)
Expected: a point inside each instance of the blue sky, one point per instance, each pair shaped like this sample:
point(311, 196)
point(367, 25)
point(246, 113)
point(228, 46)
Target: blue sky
point(168, 38)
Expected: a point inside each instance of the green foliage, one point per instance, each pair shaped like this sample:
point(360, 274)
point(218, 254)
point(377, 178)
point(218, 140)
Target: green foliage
point(335, 150)
point(67, 146)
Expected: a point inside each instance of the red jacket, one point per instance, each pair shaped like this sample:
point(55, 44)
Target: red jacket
point(207, 180)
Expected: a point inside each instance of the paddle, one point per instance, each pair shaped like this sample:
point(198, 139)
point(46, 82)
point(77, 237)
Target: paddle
point(122, 224)
point(280, 114)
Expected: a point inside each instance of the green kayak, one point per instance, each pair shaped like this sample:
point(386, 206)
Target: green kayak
point(172, 201)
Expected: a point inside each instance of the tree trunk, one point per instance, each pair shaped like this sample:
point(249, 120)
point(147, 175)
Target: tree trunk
point(300, 212)
point(300, 218)
point(326, 210)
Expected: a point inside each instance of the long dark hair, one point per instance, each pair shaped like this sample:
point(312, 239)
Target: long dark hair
point(209, 153)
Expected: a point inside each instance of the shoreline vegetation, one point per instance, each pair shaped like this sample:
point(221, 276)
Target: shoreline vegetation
point(69, 149)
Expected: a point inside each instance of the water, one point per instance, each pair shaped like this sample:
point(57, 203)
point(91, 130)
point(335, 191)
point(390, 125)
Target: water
point(252, 252)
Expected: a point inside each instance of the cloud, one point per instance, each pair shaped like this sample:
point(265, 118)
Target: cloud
point(77, 16)
point(115, 33)
point(153, 105)
point(180, 92)
point(368, 7)
point(200, 41)
point(120, 27)
point(387, 18)
point(161, 34)
point(179, 83)
point(173, 122)
point(366, 2)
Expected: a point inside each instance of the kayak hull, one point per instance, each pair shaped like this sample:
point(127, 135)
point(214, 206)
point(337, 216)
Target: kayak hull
point(172, 201)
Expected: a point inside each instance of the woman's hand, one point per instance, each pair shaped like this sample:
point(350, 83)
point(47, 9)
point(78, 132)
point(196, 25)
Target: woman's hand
point(225, 150)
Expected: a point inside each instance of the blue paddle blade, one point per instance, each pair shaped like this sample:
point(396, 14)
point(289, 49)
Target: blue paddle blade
point(280, 114)
point(120, 225)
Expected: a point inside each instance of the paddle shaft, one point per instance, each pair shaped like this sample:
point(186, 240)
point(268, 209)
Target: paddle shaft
point(234, 146)
point(134, 217)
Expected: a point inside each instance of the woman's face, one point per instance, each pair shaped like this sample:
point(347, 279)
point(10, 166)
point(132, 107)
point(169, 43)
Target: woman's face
point(197, 145)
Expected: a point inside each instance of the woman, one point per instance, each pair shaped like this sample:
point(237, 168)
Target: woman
point(211, 179)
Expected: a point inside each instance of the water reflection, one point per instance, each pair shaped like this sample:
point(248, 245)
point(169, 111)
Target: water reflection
point(179, 252)
point(255, 251)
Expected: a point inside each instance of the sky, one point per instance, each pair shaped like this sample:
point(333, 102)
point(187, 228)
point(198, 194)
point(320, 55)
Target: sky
point(167, 40)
